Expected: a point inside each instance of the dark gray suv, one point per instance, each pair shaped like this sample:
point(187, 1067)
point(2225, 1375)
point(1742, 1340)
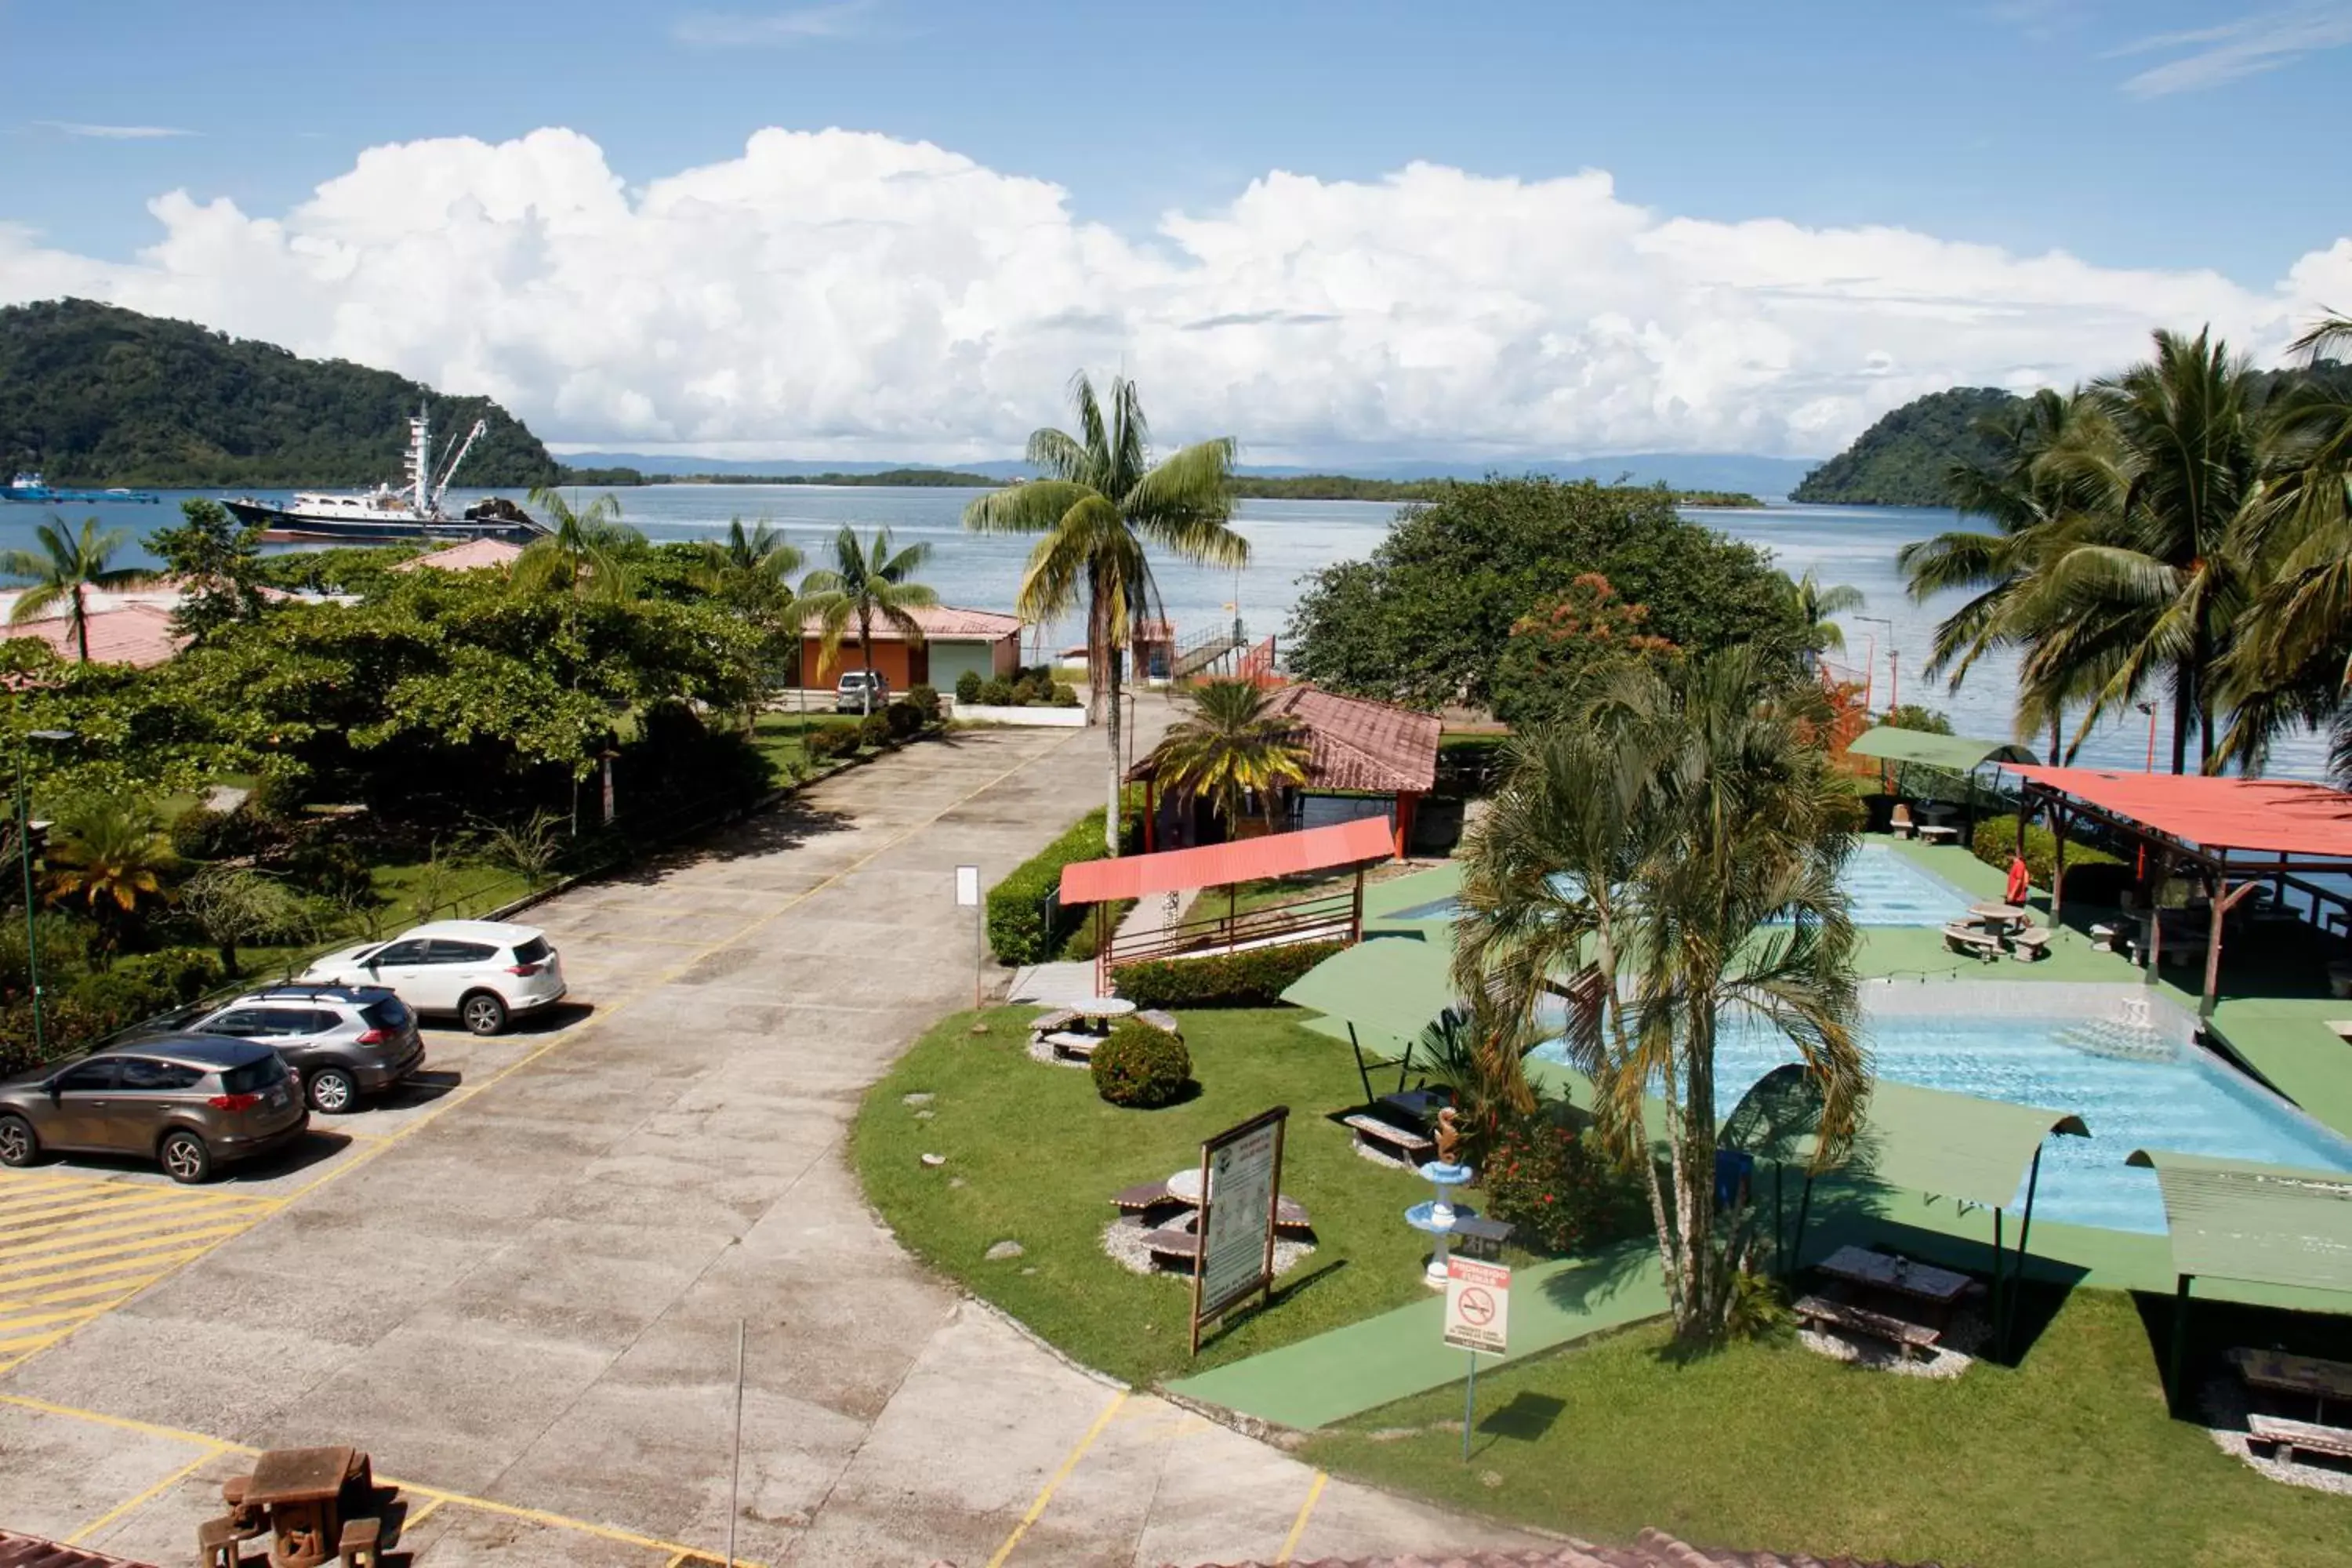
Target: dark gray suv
point(188, 1103)
point(343, 1041)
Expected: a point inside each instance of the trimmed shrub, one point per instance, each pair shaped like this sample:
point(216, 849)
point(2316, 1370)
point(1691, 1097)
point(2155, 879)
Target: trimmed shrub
point(925, 700)
point(1065, 695)
point(903, 719)
point(996, 693)
point(1253, 977)
point(1559, 1186)
point(1141, 1067)
point(138, 988)
point(1023, 927)
point(2092, 875)
point(968, 686)
point(829, 742)
point(874, 731)
point(1031, 689)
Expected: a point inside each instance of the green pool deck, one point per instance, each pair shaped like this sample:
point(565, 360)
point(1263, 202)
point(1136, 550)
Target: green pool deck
point(2284, 1038)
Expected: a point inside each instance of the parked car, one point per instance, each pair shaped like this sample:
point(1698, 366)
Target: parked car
point(862, 691)
point(191, 1102)
point(344, 1041)
point(481, 971)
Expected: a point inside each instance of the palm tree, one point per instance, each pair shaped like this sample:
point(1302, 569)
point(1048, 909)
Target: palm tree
point(586, 553)
point(67, 567)
point(110, 854)
point(867, 582)
point(1101, 504)
point(749, 571)
point(1229, 748)
point(1815, 605)
point(1674, 845)
point(2153, 574)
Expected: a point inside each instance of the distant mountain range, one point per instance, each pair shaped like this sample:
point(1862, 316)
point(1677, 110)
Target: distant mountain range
point(1679, 470)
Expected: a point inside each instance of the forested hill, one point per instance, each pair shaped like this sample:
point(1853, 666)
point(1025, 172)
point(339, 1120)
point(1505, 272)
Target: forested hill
point(95, 395)
point(1903, 459)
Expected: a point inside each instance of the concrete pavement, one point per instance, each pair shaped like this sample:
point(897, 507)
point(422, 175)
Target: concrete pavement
point(523, 1297)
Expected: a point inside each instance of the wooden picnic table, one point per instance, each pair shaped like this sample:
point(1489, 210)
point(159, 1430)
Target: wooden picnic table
point(1883, 1271)
point(1421, 1105)
point(2315, 1377)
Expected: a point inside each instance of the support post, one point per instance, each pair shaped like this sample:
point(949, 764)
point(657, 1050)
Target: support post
point(1356, 915)
point(1370, 1100)
point(1797, 1237)
point(1469, 1404)
point(2155, 918)
point(2058, 865)
point(2024, 1235)
point(1996, 1277)
point(2178, 1360)
point(1405, 803)
point(2217, 885)
point(1150, 815)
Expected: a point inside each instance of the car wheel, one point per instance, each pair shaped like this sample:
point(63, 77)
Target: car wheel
point(484, 1013)
point(19, 1145)
point(332, 1091)
point(185, 1157)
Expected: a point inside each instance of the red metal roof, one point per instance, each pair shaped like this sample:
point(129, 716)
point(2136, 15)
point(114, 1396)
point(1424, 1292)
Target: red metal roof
point(136, 635)
point(2266, 816)
point(936, 621)
point(32, 1552)
point(1219, 864)
point(474, 555)
point(1354, 743)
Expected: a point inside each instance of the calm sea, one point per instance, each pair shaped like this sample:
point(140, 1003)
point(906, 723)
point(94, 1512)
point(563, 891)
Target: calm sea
point(1855, 545)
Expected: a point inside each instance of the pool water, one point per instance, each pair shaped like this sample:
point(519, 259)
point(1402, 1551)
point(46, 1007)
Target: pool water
point(1883, 888)
point(2156, 1095)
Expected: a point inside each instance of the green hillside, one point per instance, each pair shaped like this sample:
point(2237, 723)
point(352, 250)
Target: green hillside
point(1903, 459)
point(94, 394)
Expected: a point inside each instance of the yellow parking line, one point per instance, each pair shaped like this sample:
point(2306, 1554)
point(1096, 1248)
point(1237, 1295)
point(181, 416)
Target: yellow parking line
point(124, 1422)
point(12, 1324)
point(416, 1516)
point(115, 1250)
point(1299, 1525)
point(112, 1221)
point(119, 1285)
point(160, 1223)
point(26, 1344)
point(150, 1495)
point(1037, 1509)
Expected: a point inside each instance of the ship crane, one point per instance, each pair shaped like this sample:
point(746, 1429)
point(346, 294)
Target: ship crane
point(450, 472)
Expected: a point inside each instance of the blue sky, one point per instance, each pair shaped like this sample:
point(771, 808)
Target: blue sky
point(2159, 135)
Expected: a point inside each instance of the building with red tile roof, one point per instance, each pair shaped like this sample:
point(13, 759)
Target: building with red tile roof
point(955, 640)
point(136, 635)
point(474, 555)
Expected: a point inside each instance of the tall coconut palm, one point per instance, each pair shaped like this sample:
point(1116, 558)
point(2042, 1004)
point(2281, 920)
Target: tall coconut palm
point(1817, 603)
point(2154, 574)
point(585, 554)
point(110, 855)
point(1101, 505)
point(1229, 747)
point(65, 568)
point(1676, 841)
point(749, 571)
point(866, 584)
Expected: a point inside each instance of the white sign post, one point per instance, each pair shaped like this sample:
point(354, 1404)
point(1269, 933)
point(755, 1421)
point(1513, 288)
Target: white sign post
point(968, 898)
point(1477, 1319)
point(1241, 1175)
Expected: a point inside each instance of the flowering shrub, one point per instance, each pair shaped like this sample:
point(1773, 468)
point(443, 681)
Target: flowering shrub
point(1560, 1187)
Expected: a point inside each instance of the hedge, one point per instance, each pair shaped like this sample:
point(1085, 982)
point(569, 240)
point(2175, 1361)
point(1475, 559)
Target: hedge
point(1253, 977)
point(1018, 906)
point(1141, 1067)
point(2092, 875)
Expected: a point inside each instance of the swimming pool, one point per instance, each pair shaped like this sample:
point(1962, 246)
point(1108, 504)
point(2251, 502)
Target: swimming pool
point(2137, 1086)
point(1883, 888)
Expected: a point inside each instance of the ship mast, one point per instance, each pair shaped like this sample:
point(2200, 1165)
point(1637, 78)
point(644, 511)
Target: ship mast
point(458, 457)
point(420, 462)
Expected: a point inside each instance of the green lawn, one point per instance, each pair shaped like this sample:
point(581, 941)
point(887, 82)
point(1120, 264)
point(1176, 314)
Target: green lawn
point(777, 736)
point(1039, 1155)
point(2069, 1459)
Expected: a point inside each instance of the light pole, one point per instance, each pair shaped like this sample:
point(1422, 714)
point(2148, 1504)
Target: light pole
point(25, 854)
point(1870, 674)
point(2149, 709)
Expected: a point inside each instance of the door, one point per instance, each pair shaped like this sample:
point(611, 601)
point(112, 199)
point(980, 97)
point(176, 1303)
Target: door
point(80, 1100)
point(458, 967)
point(407, 968)
point(144, 1098)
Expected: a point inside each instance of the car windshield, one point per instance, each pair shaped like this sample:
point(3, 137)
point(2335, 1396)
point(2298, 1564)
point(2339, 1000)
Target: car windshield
point(533, 952)
point(391, 1013)
point(253, 1077)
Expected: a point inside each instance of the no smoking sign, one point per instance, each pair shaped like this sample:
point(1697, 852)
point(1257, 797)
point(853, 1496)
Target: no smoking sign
point(1477, 1305)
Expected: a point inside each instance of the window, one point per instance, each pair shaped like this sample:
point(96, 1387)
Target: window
point(445, 952)
point(90, 1077)
point(388, 1013)
point(253, 1077)
point(402, 952)
point(535, 951)
point(146, 1076)
point(242, 1024)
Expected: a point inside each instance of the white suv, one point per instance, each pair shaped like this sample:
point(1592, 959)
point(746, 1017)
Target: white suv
point(482, 971)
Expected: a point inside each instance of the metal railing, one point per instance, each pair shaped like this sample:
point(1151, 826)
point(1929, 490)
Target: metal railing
point(1325, 917)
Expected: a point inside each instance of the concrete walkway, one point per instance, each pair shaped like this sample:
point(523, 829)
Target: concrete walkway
point(526, 1306)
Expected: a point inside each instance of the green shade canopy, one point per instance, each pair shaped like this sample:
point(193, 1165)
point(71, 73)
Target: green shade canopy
point(1387, 987)
point(2268, 1225)
point(1959, 753)
point(1954, 1145)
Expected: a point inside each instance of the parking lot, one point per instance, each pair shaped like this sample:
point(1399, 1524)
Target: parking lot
point(519, 1285)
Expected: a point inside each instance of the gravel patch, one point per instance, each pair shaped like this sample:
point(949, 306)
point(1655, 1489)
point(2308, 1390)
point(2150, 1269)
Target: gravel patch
point(2224, 1403)
point(1123, 1240)
point(1039, 1051)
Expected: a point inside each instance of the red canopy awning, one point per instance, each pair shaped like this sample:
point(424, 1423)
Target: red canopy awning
point(2265, 817)
point(1219, 864)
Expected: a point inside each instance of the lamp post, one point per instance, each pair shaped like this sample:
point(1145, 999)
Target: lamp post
point(25, 856)
point(1870, 673)
point(2149, 709)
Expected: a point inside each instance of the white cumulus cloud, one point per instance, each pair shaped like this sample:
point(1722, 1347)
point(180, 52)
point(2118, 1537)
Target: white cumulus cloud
point(844, 294)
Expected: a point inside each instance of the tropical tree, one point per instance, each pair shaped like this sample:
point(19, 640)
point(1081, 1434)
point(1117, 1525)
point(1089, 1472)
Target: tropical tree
point(65, 568)
point(749, 571)
point(1102, 505)
point(1672, 852)
point(585, 553)
point(1816, 604)
point(1229, 746)
point(110, 854)
point(216, 561)
point(866, 582)
point(237, 906)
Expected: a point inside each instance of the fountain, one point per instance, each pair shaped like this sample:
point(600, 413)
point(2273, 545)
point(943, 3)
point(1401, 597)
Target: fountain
point(1437, 1216)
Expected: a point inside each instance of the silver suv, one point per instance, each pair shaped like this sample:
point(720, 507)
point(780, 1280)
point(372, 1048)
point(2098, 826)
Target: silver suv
point(862, 691)
point(188, 1103)
point(345, 1041)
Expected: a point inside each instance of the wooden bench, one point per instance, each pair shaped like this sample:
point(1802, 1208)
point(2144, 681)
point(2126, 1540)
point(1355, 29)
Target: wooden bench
point(1975, 943)
point(1475, 1235)
point(216, 1541)
point(1936, 833)
point(1174, 1243)
point(356, 1548)
point(1289, 1215)
point(2285, 1437)
point(2030, 945)
point(1373, 1132)
point(1909, 1337)
point(1145, 1196)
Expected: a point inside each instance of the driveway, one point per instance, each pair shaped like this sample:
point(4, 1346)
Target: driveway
point(523, 1295)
